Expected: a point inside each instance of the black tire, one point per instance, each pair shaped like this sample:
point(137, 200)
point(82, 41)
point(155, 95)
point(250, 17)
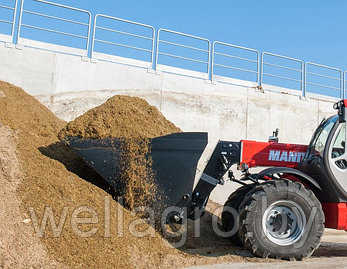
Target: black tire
point(228, 219)
point(288, 226)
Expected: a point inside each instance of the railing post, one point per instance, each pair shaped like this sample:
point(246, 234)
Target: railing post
point(258, 68)
point(157, 50)
point(14, 20)
point(153, 45)
point(19, 22)
point(302, 79)
point(212, 60)
point(261, 70)
point(305, 77)
point(344, 84)
point(88, 37)
point(93, 37)
point(341, 85)
point(209, 60)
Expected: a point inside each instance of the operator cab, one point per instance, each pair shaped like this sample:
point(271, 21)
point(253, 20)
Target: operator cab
point(326, 157)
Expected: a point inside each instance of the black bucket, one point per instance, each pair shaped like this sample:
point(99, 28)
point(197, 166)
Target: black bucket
point(174, 161)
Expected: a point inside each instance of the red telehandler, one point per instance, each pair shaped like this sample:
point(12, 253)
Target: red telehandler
point(279, 213)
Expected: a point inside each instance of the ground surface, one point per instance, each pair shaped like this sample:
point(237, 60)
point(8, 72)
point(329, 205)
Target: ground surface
point(331, 254)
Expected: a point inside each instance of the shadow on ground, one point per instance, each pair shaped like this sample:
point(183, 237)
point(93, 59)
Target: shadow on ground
point(328, 249)
point(204, 239)
point(75, 164)
point(210, 243)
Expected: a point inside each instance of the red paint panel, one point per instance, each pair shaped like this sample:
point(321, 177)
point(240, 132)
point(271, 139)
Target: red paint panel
point(335, 215)
point(271, 154)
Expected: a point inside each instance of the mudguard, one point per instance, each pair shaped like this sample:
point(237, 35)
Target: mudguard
point(291, 171)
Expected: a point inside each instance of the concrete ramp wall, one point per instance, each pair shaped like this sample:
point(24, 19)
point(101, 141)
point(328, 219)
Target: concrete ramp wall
point(70, 85)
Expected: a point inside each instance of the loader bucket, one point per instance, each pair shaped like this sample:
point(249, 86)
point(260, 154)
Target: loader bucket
point(174, 161)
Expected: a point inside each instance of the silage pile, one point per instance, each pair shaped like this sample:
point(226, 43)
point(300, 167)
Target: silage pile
point(133, 122)
point(50, 179)
point(121, 116)
point(54, 178)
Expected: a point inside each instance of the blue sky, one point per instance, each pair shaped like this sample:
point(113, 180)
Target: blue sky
point(309, 30)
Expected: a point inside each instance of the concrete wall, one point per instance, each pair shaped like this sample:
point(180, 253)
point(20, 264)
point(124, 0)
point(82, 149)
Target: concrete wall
point(70, 86)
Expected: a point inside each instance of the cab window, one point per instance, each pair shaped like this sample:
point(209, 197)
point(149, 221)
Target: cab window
point(322, 138)
point(339, 146)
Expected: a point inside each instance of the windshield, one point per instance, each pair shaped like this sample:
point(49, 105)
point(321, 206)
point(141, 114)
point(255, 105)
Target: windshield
point(320, 137)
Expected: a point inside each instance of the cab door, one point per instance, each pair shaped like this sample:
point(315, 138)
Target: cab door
point(337, 155)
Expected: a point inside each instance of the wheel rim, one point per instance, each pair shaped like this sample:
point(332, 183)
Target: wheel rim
point(284, 222)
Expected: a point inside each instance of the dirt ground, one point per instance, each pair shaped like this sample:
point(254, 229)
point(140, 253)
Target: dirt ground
point(331, 254)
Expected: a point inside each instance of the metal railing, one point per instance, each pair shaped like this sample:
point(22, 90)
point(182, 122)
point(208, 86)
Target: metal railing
point(8, 37)
point(276, 70)
point(175, 52)
point(246, 65)
point(84, 38)
point(197, 66)
point(331, 82)
point(147, 48)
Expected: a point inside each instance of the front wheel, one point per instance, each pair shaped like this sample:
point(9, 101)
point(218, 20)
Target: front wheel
point(281, 219)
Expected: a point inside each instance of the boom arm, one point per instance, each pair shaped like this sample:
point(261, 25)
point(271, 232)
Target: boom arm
point(223, 157)
point(245, 153)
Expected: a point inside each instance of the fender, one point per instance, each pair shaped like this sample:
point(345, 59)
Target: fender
point(286, 170)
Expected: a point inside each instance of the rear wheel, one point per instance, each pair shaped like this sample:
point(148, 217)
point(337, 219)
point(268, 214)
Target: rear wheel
point(230, 213)
point(281, 219)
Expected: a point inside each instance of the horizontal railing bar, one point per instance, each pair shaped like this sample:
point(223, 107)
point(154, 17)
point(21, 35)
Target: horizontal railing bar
point(286, 78)
point(63, 6)
point(7, 7)
point(324, 76)
point(121, 45)
point(281, 56)
point(283, 67)
point(323, 86)
point(125, 33)
point(53, 17)
point(236, 57)
point(4, 21)
point(53, 31)
point(183, 46)
point(324, 66)
point(186, 35)
point(236, 68)
point(123, 20)
point(235, 46)
point(184, 58)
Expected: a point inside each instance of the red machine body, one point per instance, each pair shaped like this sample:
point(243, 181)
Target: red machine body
point(335, 215)
point(271, 154)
